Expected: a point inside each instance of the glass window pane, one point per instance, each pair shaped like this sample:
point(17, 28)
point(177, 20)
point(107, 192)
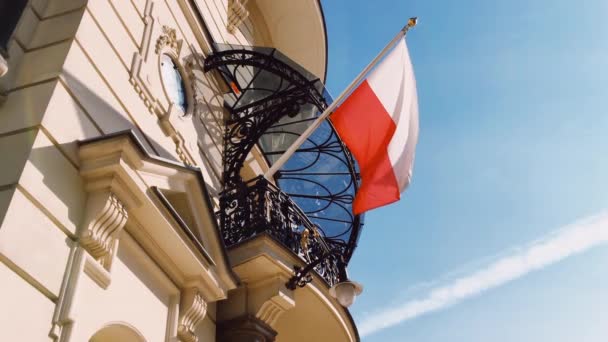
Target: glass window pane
point(173, 81)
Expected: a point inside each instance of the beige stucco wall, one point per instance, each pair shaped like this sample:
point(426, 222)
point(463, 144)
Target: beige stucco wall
point(71, 78)
point(82, 69)
point(31, 311)
point(135, 297)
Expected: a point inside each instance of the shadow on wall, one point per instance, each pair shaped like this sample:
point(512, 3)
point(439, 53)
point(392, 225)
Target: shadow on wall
point(108, 119)
point(208, 119)
point(210, 139)
point(59, 171)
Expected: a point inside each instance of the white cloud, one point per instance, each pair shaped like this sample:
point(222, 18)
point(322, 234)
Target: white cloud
point(570, 240)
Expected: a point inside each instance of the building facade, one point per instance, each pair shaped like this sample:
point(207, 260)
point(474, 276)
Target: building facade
point(115, 133)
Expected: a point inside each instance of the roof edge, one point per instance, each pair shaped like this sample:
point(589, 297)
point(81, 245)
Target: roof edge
point(326, 40)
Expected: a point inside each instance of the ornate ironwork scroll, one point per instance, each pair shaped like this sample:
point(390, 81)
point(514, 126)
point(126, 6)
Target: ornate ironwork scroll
point(259, 207)
point(265, 88)
point(250, 121)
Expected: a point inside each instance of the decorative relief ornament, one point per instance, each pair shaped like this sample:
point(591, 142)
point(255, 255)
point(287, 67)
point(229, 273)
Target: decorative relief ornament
point(169, 39)
point(237, 13)
point(193, 309)
point(146, 80)
point(105, 218)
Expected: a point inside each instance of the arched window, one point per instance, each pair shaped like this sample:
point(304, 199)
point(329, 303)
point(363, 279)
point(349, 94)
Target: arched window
point(117, 332)
point(173, 82)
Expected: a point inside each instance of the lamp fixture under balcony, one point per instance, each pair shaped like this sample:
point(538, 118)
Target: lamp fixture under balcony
point(344, 291)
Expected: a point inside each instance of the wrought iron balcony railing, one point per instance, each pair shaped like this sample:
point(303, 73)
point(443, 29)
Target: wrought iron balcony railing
point(259, 207)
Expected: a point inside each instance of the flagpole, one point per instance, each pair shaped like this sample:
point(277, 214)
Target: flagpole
point(315, 124)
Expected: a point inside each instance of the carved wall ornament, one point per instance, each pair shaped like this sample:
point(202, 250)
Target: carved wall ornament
point(168, 126)
point(105, 217)
point(193, 309)
point(192, 69)
point(237, 14)
point(168, 39)
point(146, 79)
point(270, 312)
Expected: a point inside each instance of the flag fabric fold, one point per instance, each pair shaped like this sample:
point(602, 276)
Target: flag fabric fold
point(378, 122)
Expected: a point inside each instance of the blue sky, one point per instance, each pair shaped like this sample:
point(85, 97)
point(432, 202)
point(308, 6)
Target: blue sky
point(513, 147)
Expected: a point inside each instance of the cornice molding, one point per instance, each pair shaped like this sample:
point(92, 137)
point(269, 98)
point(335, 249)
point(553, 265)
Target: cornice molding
point(120, 177)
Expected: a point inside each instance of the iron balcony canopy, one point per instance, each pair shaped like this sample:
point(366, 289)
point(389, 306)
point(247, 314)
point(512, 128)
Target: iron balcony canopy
point(272, 100)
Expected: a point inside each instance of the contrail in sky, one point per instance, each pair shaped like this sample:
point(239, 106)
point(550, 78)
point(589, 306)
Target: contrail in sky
point(569, 240)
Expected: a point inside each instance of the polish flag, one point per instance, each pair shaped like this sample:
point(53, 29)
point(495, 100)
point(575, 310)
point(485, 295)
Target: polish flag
point(378, 122)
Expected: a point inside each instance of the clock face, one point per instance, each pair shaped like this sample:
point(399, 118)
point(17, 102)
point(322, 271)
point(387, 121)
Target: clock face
point(174, 83)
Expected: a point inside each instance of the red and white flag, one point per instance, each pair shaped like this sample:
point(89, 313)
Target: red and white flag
point(378, 122)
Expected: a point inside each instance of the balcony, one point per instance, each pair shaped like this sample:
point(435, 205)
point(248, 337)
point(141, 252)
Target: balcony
point(307, 206)
point(261, 208)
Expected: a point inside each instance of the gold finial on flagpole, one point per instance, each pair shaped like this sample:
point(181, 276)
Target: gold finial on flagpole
point(410, 23)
